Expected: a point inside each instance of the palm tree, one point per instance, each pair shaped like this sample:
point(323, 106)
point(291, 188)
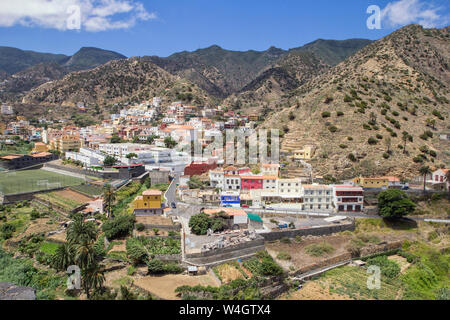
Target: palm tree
point(80, 230)
point(93, 278)
point(424, 171)
point(405, 139)
point(109, 196)
point(85, 255)
point(63, 256)
point(388, 142)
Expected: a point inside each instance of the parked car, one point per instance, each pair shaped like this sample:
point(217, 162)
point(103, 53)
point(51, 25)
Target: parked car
point(174, 206)
point(245, 206)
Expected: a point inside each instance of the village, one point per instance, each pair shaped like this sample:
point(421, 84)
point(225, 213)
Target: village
point(168, 221)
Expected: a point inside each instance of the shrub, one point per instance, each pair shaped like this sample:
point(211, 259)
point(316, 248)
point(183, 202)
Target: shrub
point(389, 268)
point(120, 226)
point(343, 146)
point(285, 240)
point(367, 127)
point(332, 129)
point(350, 138)
point(284, 256)
point(7, 230)
point(319, 249)
point(34, 214)
point(200, 223)
point(433, 153)
point(372, 141)
point(386, 155)
point(418, 159)
point(140, 227)
point(326, 114)
point(438, 114)
point(340, 113)
point(379, 137)
point(352, 157)
point(136, 251)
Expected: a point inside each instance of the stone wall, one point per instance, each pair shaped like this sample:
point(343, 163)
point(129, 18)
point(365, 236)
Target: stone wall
point(313, 231)
point(227, 253)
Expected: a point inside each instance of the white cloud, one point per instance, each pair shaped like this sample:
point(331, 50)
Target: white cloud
point(96, 15)
point(403, 12)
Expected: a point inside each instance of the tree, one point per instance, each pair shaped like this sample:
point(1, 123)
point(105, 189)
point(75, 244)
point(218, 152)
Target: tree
point(131, 156)
point(109, 161)
point(424, 171)
point(151, 139)
point(120, 226)
point(115, 139)
point(388, 142)
point(80, 230)
point(63, 257)
point(394, 203)
point(93, 278)
point(195, 183)
point(169, 142)
point(406, 137)
point(109, 197)
point(200, 223)
point(85, 254)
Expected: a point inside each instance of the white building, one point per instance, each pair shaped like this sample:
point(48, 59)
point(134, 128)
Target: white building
point(7, 110)
point(438, 177)
point(317, 198)
point(348, 198)
point(123, 149)
point(216, 178)
point(87, 156)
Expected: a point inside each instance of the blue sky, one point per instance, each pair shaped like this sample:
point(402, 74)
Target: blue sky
point(162, 27)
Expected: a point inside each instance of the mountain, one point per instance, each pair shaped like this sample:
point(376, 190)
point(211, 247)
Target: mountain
point(357, 112)
point(88, 58)
point(219, 71)
point(223, 72)
point(288, 73)
point(32, 77)
point(13, 60)
point(333, 52)
point(133, 79)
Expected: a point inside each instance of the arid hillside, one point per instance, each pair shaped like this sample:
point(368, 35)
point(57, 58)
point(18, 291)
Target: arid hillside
point(361, 113)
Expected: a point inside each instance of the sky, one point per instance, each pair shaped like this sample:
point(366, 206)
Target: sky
point(163, 27)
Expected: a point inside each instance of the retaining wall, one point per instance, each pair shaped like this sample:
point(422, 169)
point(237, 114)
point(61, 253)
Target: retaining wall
point(313, 231)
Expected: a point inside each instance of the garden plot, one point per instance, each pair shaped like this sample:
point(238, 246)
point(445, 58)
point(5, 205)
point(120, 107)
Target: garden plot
point(67, 200)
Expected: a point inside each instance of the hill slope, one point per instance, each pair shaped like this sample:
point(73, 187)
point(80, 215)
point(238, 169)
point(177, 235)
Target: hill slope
point(13, 60)
point(392, 87)
point(88, 58)
point(131, 79)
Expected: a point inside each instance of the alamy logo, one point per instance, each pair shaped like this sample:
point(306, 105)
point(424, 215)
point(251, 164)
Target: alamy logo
point(374, 280)
point(374, 21)
point(74, 279)
point(74, 19)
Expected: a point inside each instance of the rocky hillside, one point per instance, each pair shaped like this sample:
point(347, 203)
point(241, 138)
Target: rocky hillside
point(223, 71)
point(131, 79)
point(361, 113)
point(29, 78)
point(290, 72)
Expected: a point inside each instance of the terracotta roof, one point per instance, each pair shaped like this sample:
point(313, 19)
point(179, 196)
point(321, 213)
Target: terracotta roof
point(228, 211)
point(152, 193)
point(11, 157)
point(41, 154)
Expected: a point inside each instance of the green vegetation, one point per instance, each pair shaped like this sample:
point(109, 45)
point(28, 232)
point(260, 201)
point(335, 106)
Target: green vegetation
point(34, 180)
point(118, 227)
point(263, 265)
point(319, 249)
point(200, 223)
point(394, 203)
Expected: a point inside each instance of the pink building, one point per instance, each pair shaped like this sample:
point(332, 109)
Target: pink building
point(251, 182)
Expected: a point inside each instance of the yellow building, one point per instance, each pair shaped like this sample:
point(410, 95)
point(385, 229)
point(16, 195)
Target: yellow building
point(66, 144)
point(375, 182)
point(304, 154)
point(148, 204)
point(39, 147)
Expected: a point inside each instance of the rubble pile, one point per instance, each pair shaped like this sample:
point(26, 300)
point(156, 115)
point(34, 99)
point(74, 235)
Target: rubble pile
point(228, 240)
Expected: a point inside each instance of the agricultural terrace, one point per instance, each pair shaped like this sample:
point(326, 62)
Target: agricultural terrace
point(88, 189)
point(34, 180)
point(66, 200)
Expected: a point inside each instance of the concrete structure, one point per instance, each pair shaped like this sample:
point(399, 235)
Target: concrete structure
point(39, 147)
point(19, 161)
point(317, 197)
point(307, 153)
point(270, 169)
point(439, 177)
point(372, 182)
point(65, 144)
point(237, 218)
point(87, 156)
point(150, 203)
point(7, 109)
point(348, 199)
point(123, 149)
point(230, 198)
